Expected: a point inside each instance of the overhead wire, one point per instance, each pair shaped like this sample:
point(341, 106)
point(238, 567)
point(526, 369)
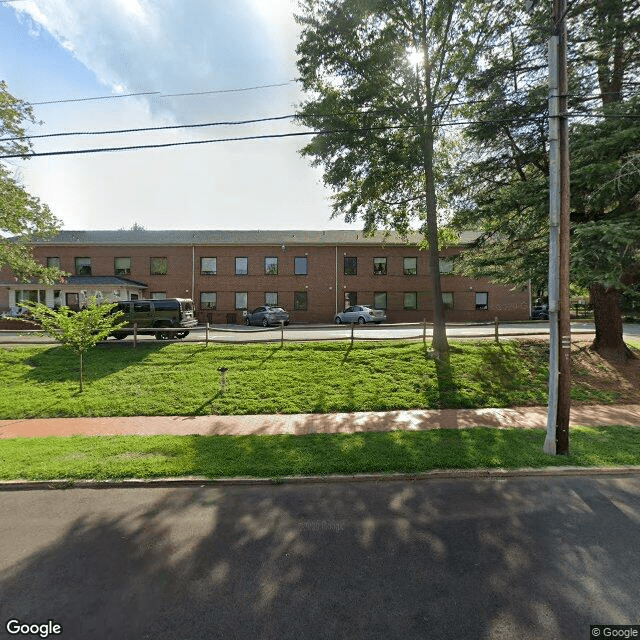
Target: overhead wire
point(160, 94)
point(252, 137)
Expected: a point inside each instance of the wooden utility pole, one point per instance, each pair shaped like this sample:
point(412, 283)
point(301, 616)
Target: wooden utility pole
point(557, 440)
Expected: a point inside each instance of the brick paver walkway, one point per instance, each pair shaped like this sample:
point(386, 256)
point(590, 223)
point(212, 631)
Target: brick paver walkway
point(301, 424)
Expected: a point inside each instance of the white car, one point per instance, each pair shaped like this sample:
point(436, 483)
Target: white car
point(361, 314)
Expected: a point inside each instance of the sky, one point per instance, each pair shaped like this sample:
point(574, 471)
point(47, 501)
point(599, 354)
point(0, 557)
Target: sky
point(55, 50)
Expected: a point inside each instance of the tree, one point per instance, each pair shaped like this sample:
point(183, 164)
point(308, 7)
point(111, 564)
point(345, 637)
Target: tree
point(22, 216)
point(503, 185)
point(381, 76)
point(77, 330)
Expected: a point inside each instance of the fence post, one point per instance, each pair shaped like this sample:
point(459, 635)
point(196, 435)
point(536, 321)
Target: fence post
point(206, 335)
point(424, 331)
point(282, 333)
point(352, 334)
point(135, 334)
point(496, 323)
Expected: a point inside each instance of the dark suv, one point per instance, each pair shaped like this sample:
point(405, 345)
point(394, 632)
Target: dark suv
point(540, 313)
point(152, 316)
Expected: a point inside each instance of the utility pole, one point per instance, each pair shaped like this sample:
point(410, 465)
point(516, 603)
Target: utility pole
point(557, 439)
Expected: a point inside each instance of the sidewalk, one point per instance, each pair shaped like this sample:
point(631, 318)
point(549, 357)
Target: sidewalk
point(302, 424)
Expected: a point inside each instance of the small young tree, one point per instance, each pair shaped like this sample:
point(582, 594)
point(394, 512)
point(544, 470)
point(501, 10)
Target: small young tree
point(77, 330)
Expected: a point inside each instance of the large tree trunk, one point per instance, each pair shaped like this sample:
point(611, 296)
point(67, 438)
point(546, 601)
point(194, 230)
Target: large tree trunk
point(608, 319)
point(440, 343)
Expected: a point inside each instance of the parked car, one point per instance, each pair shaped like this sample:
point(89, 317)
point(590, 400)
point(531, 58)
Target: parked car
point(540, 313)
point(361, 314)
point(154, 317)
point(266, 316)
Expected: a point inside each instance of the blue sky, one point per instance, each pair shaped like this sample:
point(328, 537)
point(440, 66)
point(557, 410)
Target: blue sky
point(61, 49)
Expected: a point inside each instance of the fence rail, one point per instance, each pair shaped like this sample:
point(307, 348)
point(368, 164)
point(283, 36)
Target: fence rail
point(352, 333)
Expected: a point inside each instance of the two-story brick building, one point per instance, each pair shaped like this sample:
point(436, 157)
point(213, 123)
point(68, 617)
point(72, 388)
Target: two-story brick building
point(312, 274)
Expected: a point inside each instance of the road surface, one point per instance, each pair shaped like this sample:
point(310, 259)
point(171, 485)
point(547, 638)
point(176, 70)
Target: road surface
point(487, 558)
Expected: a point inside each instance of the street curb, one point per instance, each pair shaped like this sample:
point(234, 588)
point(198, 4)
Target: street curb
point(194, 481)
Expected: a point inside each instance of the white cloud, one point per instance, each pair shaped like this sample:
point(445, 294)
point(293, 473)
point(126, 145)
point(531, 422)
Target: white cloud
point(173, 46)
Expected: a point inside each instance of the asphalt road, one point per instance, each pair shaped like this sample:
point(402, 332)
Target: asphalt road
point(240, 333)
point(526, 558)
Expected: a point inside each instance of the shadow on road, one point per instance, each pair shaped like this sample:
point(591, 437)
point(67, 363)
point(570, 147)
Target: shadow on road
point(489, 559)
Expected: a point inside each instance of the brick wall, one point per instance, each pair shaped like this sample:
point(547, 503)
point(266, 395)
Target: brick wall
point(324, 284)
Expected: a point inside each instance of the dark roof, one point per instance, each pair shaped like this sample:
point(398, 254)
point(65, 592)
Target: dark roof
point(90, 281)
point(111, 281)
point(231, 237)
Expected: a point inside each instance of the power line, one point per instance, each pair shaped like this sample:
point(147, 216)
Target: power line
point(211, 124)
point(122, 95)
point(159, 94)
point(540, 118)
point(235, 122)
point(244, 138)
point(141, 129)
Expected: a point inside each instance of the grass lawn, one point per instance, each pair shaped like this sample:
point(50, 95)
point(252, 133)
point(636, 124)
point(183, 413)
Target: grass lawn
point(277, 456)
point(183, 379)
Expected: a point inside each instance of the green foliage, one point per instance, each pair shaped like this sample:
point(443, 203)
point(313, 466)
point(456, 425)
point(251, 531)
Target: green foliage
point(502, 189)
point(379, 107)
point(381, 76)
point(22, 216)
point(76, 330)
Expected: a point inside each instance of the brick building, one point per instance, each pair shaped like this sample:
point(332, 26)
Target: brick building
point(312, 274)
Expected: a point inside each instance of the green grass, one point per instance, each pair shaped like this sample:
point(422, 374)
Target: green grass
point(106, 457)
point(183, 379)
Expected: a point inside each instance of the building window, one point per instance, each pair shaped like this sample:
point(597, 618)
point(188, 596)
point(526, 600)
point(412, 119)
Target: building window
point(158, 295)
point(159, 266)
point(72, 300)
point(300, 266)
point(242, 268)
point(410, 266)
point(122, 266)
point(350, 266)
point(271, 266)
point(482, 300)
point(300, 300)
point(446, 265)
point(208, 266)
point(447, 299)
point(241, 300)
point(142, 306)
point(53, 262)
point(271, 298)
point(83, 266)
point(350, 298)
point(410, 300)
point(30, 295)
point(380, 300)
point(379, 266)
point(208, 300)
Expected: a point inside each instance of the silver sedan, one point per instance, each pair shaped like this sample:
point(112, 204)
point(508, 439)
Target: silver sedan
point(361, 314)
point(266, 316)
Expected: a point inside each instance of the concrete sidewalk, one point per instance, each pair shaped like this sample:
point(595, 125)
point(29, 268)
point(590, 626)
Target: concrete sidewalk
point(302, 424)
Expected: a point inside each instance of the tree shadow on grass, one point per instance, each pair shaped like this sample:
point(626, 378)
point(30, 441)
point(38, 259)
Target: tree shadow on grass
point(271, 354)
point(447, 388)
point(59, 364)
point(488, 376)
